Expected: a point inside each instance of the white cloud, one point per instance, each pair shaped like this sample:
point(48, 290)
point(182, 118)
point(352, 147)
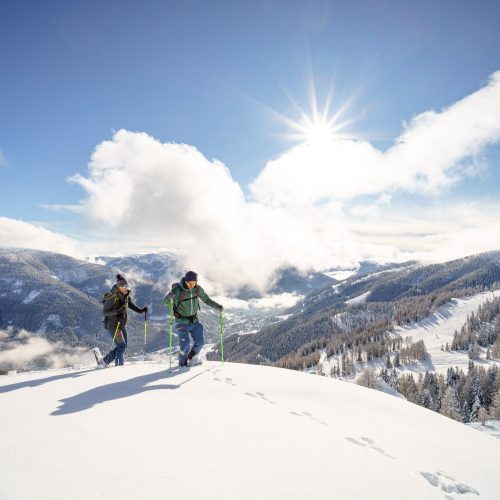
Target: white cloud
point(23, 350)
point(306, 207)
point(16, 233)
point(434, 151)
point(433, 233)
point(278, 301)
point(170, 195)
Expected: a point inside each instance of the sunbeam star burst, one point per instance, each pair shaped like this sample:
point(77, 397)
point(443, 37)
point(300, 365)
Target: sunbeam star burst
point(317, 128)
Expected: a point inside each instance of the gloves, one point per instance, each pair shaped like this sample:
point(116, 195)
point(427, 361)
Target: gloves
point(169, 296)
point(145, 309)
point(221, 307)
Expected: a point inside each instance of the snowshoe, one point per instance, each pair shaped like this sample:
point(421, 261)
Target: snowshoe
point(99, 357)
point(194, 359)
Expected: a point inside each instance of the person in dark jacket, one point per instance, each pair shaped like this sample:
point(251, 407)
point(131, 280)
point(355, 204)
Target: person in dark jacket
point(115, 305)
point(185, 296)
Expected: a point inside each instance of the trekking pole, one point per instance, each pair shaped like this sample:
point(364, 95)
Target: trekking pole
point(171, 321)
point(221, 340)
point(116, 331)
point(145, 330)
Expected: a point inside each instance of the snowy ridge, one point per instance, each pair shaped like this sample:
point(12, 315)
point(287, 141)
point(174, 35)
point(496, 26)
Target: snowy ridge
point(225, 432)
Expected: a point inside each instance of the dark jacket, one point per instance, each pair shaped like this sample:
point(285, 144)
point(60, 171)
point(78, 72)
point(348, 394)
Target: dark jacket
point(186, 302)
point(115, 306)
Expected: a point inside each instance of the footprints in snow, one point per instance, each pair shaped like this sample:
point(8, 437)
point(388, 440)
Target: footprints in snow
point(370, 443)
point(309, 415)
point(440, 480)
point(263, 397)
point(448, 484)
point(228, 381)
point(260, 395)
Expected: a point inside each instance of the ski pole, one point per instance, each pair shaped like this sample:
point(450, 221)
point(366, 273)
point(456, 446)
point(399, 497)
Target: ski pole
point(116, 331)
point(171, 321)
point(145, 334)
point(221, 340)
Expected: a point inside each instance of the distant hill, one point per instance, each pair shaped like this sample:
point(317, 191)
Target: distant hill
point(60, 297)
point(368, 305)
point(44, 291)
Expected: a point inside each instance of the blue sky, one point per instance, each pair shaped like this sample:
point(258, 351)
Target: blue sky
point(213, 75)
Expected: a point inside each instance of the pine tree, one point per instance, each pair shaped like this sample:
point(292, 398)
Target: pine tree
point(473, 351)
point(397, 362)
point(465, 412)
point(495, 350)
point(388, 363)
point(474, 412)
point(393, 380)
point(450, 406)
point(425, 399)
point(495, 407)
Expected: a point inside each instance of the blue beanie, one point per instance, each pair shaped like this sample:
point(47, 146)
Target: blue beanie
point(191, 276)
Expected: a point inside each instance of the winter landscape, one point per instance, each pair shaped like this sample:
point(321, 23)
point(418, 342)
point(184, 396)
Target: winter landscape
point(249, 250)
point(244, 431)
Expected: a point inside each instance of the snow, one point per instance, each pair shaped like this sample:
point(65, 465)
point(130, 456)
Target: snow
point(359, 299)
point(491, 427)
point(17, 287)
point(341, 275)
point(438, 329)
point(32, 296)
point(229, 431)
point(53, 319)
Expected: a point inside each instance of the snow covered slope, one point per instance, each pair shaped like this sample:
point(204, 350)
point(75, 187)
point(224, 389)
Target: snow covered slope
point(229, 432)
point(438, 329)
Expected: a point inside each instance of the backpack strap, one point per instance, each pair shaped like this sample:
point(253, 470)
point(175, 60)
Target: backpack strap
point(182, 299)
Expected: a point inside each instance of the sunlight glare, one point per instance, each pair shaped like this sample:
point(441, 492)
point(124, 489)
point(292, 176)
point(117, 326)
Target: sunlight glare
point(318, 128)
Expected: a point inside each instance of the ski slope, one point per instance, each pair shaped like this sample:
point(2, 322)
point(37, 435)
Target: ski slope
point(438, 329)
point(229, 432)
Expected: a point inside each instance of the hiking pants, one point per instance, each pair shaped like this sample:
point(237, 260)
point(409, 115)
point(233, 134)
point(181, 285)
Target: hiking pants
point(196, 331)
point(116, 354)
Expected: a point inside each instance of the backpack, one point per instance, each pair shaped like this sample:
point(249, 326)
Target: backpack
point(181, 299)
point(111, 301)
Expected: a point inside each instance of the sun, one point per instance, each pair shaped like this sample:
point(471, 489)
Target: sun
point(318, 127)
point(317, 132)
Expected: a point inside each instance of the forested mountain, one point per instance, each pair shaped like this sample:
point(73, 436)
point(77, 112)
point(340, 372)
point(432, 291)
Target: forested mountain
point(362, 309)
point(47, 292)
point(59, 297)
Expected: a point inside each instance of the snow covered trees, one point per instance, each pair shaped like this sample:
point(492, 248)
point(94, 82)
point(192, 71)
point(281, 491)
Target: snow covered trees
point(369, 379)
point(463, 397)
point(480, 330)
point(451, 405)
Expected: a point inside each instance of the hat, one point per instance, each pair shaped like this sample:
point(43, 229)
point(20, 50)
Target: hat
point(121, 282)
point(191, 276)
